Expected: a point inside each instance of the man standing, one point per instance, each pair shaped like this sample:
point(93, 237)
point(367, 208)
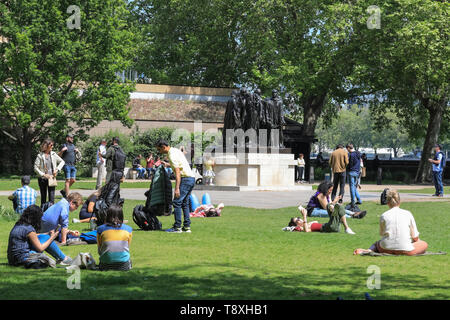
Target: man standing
point(184, 183)
point(354, 167)
point(67, 153)
point(23, 197)
point(338, 163)
point(114, 162)
point(101, 156)
point(438, 168)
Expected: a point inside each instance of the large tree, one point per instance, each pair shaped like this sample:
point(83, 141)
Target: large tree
point(191, 42)
point(406, 63)
point(58, 68)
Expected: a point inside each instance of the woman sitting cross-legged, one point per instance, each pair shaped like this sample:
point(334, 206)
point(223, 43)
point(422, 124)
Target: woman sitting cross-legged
point(317, 205)
point(337, 216)
point(398, 230)
point(113, 241)
point(25, 245)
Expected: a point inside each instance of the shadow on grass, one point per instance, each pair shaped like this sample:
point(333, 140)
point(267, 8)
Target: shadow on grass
point(229, 284)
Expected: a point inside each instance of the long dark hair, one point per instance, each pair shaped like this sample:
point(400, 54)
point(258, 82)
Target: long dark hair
point(31, 216)
point(324, 187)
point(114, 216)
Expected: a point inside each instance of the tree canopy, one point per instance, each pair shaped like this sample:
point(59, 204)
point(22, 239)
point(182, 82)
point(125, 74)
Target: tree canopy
point(54, 76)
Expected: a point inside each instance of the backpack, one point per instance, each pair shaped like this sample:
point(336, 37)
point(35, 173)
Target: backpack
point(90, 237)
point(100, 211)
point(383, 198)
point(46, 205)
point(144, 220)
point(355, 208)
point(119, 159)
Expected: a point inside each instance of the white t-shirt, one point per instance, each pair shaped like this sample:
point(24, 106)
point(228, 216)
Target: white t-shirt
point(398, 228)
point(178, 160)
point(301, 162)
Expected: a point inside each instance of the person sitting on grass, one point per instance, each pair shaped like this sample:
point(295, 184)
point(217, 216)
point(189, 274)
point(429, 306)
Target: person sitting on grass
point(398, 230)
point(336, 213)
point(25, 245)
point(23, 197)
point(113, 241)
point(317, 205)
point(87, 209)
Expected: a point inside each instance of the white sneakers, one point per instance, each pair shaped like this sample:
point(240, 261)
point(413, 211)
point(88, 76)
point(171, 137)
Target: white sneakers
point(349, 231)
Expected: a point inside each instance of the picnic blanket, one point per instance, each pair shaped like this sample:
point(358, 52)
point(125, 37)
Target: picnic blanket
point(376, 254)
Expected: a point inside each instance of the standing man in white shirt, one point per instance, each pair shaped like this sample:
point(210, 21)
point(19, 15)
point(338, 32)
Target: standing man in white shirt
point(184, 183)
point(101, 159)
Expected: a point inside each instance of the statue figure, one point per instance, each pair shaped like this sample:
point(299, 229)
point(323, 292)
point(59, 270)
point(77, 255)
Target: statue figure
point(256, 109)
point(278, 116)
point(232, 113)
point(247, 110)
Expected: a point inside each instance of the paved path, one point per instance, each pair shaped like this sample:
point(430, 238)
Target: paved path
point(280, 199)
point(273, 199)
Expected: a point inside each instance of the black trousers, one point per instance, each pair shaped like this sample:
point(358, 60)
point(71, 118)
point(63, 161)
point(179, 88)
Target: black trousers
point(44, 189)
point(338, 181)
point(299, 173)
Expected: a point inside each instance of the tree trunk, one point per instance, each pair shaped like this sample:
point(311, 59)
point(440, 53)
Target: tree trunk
point(27, 161)
point(434, 127)
point(312, 109)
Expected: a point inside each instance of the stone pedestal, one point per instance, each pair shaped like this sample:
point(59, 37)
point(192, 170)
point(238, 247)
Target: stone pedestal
point(254, 170)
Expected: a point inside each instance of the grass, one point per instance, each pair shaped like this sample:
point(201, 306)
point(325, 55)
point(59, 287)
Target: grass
point(14, 183)
point(245, 255)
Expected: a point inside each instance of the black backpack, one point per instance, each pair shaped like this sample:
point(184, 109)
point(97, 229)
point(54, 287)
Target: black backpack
point(355, 208)
point(383, 198)
point(46, 205)
point(145, 220)
point(119, 159)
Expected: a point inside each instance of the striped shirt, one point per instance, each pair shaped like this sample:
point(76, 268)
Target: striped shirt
point(113, 244)
point(26, 196)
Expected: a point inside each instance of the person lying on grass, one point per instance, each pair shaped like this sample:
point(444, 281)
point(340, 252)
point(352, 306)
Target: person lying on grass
point(317, 205)
point(207, 210)
point(25, 244)
point(336, 213)
point(398, 230)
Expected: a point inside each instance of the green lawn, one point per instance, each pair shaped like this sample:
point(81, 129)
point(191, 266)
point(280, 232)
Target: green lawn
point(245, 255)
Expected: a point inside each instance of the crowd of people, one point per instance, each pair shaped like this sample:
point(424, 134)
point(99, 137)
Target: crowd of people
point(39, 227)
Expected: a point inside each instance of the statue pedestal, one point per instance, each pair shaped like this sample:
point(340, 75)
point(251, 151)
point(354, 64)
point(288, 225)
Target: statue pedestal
point(255, 171)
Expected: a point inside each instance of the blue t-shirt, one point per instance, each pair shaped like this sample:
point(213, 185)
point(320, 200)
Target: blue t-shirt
point(56, 214)
point(18, 245)
point(438, 167)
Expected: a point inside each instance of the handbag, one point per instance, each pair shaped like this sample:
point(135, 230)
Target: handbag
point(52, 182)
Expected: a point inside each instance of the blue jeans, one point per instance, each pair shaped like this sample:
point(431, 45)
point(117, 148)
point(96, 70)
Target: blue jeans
point(353, 181)
point(322, 213)
point(141, 172)
point(52, 249)
point(437, 179)
point(181, 204)
point(70, 171)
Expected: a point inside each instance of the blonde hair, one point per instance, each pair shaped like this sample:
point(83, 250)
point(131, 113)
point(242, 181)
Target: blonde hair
point(393, 198)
